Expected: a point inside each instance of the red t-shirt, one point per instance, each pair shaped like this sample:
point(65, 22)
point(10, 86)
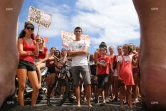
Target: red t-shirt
point(28, 48)
point(101, 69)
point(43, 53)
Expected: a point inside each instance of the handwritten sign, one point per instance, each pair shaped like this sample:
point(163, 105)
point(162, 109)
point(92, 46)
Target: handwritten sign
point(67, 37)
point(40, 17)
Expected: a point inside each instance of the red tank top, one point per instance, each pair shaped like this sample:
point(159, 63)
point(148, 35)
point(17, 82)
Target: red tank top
point(28, 48)
point(42, 55)
point(48, 63)
point(112, 60)
point(99, 55)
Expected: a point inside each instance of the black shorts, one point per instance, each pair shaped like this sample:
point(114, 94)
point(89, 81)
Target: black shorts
point(93, 69)
point(51, 70)
point(26, 65)
point(102, 80)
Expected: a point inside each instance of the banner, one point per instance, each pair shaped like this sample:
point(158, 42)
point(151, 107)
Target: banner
point(67, 37)
point(38, 16)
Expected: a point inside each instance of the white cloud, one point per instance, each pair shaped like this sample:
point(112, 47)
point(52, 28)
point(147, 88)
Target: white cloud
point(112, 21)
point(115, 21)
point(59, 20)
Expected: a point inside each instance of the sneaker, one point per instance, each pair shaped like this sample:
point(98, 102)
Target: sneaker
point(136, 100)
point(61, 96)
point(85, 100)
point(73, 97)
point(91, 99)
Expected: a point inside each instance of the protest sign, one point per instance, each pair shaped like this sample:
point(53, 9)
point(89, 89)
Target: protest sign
point(67, 37)
point(40, 17)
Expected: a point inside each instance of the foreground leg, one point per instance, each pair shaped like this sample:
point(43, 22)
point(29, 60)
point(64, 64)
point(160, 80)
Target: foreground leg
point(9, 10)
point(152, 14)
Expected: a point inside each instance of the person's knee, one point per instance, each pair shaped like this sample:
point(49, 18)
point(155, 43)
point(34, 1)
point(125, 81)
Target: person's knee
point(36, 88)
point(38, 68)
point(21, 87)
point(129, 91)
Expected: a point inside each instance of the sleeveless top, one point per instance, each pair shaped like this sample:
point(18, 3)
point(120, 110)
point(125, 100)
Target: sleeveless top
point(43, 53)
point(28, 48)
point(126, 71)
point(48, 63)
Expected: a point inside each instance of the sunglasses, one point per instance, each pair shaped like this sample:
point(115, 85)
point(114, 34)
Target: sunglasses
point(119, 49)
point(30, 28)
point(38, 40)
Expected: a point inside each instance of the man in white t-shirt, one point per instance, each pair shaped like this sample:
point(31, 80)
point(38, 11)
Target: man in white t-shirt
point(78, 50)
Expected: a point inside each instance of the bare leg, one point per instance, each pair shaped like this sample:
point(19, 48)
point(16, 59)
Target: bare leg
point(129, 92)
point(9, 10)
point(116, 89)
point(22, 76)
point(88, 94)
point(122, 90)
point(77, 91)
point(152, 14)
point(34, 82)
point(135, 87)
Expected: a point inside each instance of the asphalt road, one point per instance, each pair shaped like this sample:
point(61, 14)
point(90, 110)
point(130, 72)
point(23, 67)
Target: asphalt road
point(67, 106)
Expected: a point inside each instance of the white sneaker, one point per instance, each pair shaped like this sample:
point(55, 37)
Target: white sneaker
point(85, 100)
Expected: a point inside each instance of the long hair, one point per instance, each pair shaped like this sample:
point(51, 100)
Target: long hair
point(22, 34)
point(43, 42)
point(59, 56)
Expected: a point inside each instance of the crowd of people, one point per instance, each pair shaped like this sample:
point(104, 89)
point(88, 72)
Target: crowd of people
point(152, 57)
point(115, 77)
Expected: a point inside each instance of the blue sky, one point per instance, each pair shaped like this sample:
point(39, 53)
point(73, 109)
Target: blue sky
point(112, 21)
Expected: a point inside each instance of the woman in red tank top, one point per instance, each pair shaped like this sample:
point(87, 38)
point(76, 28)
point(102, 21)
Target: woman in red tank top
point(125, 74)
point(115, 89)
point(110, 76)
point(50, 64)
point(27, 49)
point(41, 58)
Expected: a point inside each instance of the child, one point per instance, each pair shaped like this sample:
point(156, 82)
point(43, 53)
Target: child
point(125, 74)
point(102, 72)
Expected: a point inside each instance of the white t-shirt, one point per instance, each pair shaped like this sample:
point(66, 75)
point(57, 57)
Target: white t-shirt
point(77, 46)
point(126, 58)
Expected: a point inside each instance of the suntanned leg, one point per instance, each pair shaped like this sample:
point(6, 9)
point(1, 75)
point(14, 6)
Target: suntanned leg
point(34, 82)
point(129, 92)
point(38, 67)
point(88, 93)
point(152, 14)
point(9, 11)
point(135, 87)
point(77, 91)
point(22, 76)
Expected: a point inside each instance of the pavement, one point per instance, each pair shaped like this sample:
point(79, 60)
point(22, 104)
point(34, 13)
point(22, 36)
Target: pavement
point(67, 106)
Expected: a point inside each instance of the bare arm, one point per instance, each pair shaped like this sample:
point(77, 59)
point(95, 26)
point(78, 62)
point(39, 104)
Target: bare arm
point(36, 52)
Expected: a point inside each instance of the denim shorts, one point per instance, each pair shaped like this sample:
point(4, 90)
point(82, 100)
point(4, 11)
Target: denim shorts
point(26, 65)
